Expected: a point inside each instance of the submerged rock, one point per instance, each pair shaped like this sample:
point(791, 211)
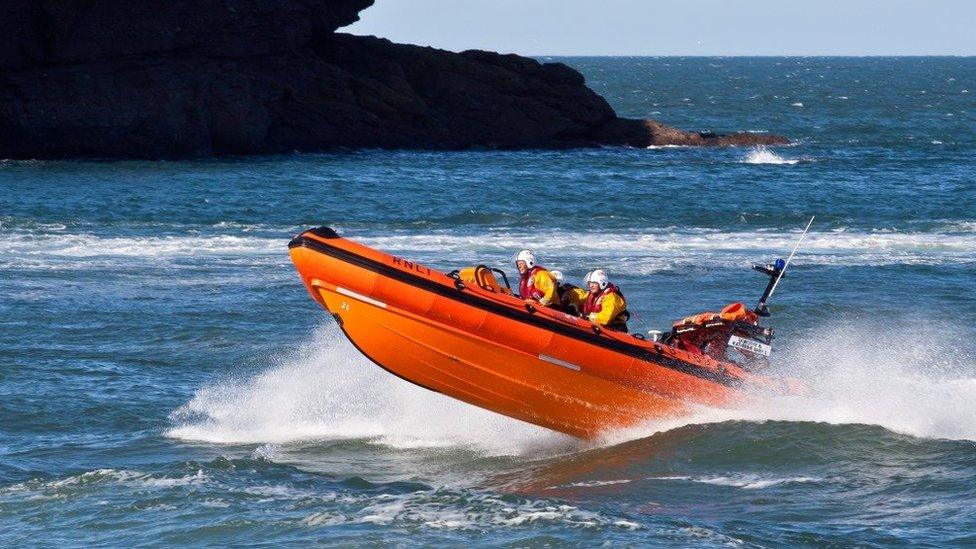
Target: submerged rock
point(651, 133)
point(183, 78)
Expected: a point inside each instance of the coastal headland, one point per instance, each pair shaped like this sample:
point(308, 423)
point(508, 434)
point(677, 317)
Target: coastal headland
point(178, 79)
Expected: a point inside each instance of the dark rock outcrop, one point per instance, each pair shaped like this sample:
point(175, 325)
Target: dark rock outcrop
point(646, 133)
point(155, 79)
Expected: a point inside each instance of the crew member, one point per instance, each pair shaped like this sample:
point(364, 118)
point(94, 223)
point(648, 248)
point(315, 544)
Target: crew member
point(536, 283)
point(603, 304)
point(566, 294)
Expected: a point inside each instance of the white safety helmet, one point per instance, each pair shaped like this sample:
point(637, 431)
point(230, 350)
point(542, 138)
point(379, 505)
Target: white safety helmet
point(526, 256)
point(558, 275)
point(598, 276)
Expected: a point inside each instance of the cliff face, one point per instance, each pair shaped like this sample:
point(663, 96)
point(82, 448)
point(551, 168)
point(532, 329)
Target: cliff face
point(175, 78)
point(46, 33)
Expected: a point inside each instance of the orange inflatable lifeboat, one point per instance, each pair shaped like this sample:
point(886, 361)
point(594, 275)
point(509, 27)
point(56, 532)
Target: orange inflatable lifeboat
point(468, 337)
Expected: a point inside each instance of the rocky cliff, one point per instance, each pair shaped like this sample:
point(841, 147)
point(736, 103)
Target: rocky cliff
point(176, 78)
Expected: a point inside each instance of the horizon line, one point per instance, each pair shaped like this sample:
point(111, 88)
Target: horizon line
point(724, 56)
point(701, 55)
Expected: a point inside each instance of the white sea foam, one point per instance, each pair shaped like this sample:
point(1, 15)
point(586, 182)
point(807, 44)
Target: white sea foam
point(125, 477)
point(328, 390)
point(746, 482)
point(763, 155)
point(908, 383)
point(851, 375)
point(646, 252)
point(595, 483)
point(961, 226)
point(634, 252)
point(89, 245)
point(466, 510)
point(665, 241)
point(912, 383)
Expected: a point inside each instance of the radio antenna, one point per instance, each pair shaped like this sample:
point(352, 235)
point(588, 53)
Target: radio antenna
point(777, 273)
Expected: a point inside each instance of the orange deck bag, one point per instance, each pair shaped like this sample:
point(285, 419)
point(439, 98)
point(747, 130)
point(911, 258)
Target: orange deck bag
point(738, 311)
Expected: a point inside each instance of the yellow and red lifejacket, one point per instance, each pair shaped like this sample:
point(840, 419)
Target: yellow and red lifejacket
point(529, 289)
point(594, 301)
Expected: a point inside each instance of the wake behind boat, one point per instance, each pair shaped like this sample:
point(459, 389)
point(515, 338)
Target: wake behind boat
point(465, 335)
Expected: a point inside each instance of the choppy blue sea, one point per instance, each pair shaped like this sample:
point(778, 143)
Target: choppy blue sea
point(166, 379)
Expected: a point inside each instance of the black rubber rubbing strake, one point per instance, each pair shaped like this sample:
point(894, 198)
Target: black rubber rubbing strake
point(506, 311)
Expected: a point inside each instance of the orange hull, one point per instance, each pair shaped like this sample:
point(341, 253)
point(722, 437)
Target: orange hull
point(493, 351)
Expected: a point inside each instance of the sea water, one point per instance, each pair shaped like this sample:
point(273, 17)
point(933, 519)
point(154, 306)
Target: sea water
point(165, 377)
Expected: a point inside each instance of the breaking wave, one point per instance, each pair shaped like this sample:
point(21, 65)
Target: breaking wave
point(763, 155)
point(746, 482)
point(480, 511)
point(318, 503)
point(90, 245)
point(628, 251)
point(646, 252)
point(327, 390)
point(905, 382)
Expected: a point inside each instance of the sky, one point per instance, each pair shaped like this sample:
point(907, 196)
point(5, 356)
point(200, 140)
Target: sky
point(689, 27)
